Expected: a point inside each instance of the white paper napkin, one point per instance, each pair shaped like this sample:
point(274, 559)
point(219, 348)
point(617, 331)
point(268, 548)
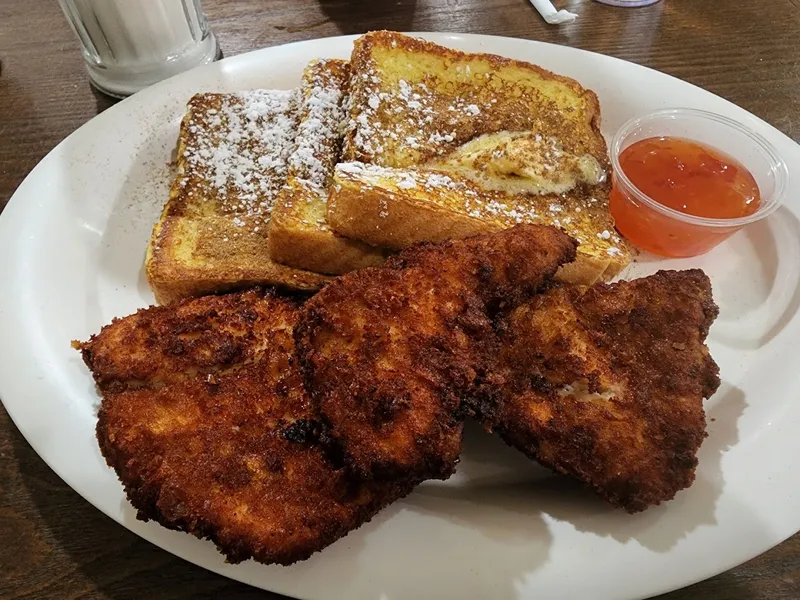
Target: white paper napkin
point(551, 15)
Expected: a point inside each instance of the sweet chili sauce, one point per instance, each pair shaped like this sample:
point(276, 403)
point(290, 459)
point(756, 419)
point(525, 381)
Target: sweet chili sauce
point(688, 177)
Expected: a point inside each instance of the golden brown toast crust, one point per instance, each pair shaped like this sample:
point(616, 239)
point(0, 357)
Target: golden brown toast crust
point(206, 422)
point(298, 234)
point(218, 264)
point(508, 95)
point(606, 383)
point(232, 162)
point(396, 208)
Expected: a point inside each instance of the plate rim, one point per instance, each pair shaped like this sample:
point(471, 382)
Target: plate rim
point(14, 206)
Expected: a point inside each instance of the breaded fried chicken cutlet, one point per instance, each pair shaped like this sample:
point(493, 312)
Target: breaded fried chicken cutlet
point(607, 383)
point(206, 422)
point(389, 353)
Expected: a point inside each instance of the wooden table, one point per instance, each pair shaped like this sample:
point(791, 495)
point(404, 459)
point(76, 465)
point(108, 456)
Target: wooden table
point(54, 544)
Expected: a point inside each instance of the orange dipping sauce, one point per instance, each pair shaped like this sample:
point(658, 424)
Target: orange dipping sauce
point(685, 176)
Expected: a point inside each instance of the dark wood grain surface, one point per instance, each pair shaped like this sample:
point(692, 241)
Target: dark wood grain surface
point(53, 544)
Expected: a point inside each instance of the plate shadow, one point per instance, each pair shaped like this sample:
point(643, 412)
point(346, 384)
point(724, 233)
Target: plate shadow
point(658, 528)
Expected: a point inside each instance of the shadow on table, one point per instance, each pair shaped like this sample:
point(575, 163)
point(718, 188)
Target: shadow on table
point(371, 14)
point(102, 101)
point(18, 112)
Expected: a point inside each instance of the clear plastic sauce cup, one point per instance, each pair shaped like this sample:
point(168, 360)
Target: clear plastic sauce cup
point(669, 232)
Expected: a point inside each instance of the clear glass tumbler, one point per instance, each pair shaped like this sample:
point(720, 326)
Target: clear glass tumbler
point(131, 44)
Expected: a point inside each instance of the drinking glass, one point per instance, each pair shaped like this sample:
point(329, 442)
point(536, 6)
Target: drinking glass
point(131, 44)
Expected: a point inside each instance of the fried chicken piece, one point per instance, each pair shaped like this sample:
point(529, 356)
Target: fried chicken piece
point(206, 422)
point(606, 384)
point(389, 353)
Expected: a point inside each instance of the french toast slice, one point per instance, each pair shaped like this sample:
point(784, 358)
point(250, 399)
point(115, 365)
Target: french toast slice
point(299, 235)
point(397, 208)
point(414, 101)
point(511, 132)
point(233, 151)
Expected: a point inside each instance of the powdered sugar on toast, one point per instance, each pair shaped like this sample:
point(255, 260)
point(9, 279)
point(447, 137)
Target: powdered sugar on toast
point(236, 148)
point(322, 116)
point(444, 189)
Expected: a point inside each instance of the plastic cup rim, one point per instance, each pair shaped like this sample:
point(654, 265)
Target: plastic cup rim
point(768, 205)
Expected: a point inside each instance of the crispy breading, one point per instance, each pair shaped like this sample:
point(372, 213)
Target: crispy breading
point(606, 384)
point(206, 422)
point(389, 353)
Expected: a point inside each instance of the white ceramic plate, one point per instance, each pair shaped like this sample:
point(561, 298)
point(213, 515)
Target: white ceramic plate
point(72, 241)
